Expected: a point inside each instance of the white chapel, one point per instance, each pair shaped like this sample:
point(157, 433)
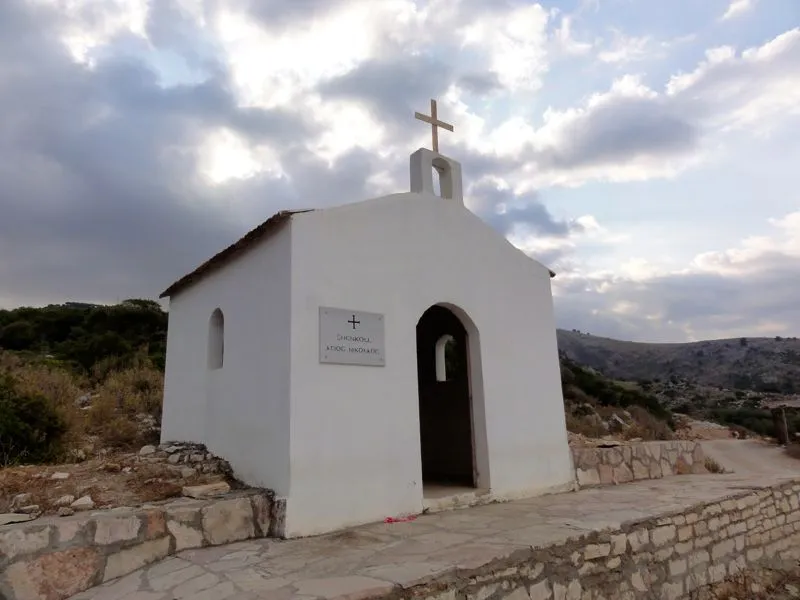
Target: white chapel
point(372, 360)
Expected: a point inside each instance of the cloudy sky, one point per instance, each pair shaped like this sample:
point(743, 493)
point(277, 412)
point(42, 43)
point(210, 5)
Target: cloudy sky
point(649, 152)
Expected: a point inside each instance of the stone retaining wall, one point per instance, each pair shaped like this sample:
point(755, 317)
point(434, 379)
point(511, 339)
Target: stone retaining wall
point(667, 558)
point(647, 460)
point(53, 558)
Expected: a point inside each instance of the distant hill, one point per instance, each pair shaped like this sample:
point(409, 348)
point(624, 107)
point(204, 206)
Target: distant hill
point(761, 364)
point(83, 334)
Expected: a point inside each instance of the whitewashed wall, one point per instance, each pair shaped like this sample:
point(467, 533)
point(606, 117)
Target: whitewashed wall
point(355, 448)
point(242, 410)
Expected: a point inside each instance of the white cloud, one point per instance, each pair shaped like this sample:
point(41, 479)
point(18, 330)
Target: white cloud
point(165, 149)
point(566, 39)
point(90, 24)
point(748, 289)
point(516, 43)
point(634, 132)
point(275, 69)
point(224, 155)
point(626, 49)
point(756, 251)
point(738, 8)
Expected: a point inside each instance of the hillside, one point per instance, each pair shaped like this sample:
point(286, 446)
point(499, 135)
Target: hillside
point(92, 377)
point(82, 335)
point(760, 364)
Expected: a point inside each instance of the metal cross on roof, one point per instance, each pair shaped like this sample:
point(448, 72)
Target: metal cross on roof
point(435, 123)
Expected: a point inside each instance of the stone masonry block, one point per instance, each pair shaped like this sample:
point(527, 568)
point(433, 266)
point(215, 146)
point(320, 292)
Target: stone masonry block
point(722, 549)
point(664, 535)
point(16, 541)
point(539, 591)
point(755, 554)
point(64, 573)
point(698, 558)
point(717, 573)
point(683, 548)
point(639, 539)
point(567, 592)
point(619, 544)
point(677, 567)
point(114, 529)
point(587, 477)
point(593, 551)
point(129, 560)
point(228, 521)
point(684, 533)
point(672, 591)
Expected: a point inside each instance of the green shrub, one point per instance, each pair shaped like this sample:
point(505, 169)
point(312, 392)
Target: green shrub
point(31, 428)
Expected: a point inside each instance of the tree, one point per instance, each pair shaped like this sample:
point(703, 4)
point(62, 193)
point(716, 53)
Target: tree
point(82, 334)
point(19, 335)
point(30, 427)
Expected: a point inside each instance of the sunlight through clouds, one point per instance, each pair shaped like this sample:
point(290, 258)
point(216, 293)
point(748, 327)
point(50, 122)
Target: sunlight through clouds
point(573, 126)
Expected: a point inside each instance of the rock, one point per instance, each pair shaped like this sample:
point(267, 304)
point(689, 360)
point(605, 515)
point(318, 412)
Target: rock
point(204, 491)
point(792, 590)
point(228, 521)
point(8, 518)
point(173, 449)
point(65, 511)
point(31, 509)
point(187, 472)
point(59, 475)
point(20, 500)
point(617, 421)
point(115, 529)
point(195, 458)
point(65, 500)
point(55, 574)
point(83, 503)
point(174, 459)
point(138, 556)
point(127, 470)
point(147, 450)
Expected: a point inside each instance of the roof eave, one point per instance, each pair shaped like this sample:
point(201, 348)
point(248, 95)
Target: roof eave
point(236, 249)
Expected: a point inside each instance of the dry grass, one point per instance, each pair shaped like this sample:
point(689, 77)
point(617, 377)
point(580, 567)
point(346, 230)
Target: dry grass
point(100, 478)
point(117, 402)
point(586, 425)
point(587, 419)
point(764, 584)
point(646, 426)
point(712, 466)
point(119, 399)
point(793, 450)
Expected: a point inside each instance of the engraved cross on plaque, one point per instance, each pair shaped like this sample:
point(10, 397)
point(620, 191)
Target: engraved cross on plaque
point(353, 322)
point(435, 123)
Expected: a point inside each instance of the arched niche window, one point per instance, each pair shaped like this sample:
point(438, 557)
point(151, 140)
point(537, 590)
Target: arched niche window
point(216, 339)
point(442, 178)
point(441, 356)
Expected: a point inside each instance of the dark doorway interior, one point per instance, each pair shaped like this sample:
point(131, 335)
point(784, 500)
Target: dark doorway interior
point(444, 401)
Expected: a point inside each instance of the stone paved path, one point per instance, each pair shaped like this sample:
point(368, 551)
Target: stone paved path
point(378, 558)
point(752, 457)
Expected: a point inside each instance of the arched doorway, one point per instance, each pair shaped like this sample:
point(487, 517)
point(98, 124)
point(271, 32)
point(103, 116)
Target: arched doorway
point(445, 406)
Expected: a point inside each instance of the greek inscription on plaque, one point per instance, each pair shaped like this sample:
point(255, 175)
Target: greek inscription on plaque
point(351, 337)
